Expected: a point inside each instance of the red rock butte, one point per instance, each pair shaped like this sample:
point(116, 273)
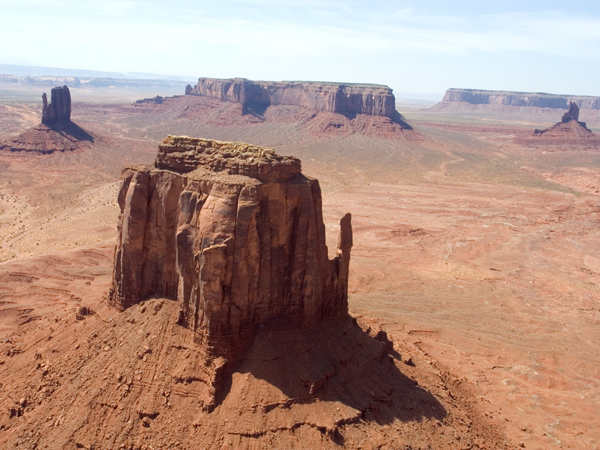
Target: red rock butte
point(56, 132)
point(569, 130)
point(234, 233)
point(59, 108)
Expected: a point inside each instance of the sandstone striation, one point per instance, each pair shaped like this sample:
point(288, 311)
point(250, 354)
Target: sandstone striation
point(234, 233)
point(531, 99)
point(59, 108)
point(341, 98)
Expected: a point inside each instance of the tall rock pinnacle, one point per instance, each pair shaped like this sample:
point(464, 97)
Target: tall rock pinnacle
point(571, 114)
point(59, 108)
point(235, 233)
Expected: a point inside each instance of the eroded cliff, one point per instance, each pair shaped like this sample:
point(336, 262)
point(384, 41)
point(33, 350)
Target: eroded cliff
point(235, 233)
point(369, 99)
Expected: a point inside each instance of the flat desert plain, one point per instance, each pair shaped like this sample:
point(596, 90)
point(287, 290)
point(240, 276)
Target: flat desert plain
point(477, 252)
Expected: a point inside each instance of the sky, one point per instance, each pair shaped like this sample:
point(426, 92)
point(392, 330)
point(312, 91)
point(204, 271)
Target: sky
point(423, 46)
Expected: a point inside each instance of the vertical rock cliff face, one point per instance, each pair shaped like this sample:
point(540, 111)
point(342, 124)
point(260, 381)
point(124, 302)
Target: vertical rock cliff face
point(369, 99)
point(59, 108)
point(235, 233)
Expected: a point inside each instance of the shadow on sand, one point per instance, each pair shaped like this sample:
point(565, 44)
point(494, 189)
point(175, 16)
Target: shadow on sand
point(71, 131)
point(336, 362)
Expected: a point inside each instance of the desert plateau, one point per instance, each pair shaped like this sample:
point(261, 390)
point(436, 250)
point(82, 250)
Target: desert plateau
point(289, 265)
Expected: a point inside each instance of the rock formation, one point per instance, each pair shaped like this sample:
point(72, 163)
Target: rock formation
point(59, 108)
point(342, 98)
point(569, 127)
point(55, 133)
point(534, 99)
point(235, 233)
point(571, 114)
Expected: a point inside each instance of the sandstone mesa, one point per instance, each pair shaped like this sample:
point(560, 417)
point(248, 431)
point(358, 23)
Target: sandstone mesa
point(530, 99)
point(369, 99)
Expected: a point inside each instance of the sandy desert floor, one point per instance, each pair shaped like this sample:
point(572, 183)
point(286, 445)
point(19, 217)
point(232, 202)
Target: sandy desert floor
point(478, 255)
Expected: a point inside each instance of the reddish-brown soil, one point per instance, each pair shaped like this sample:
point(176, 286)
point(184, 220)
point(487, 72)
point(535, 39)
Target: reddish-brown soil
point(478, 255)
point(97, 378)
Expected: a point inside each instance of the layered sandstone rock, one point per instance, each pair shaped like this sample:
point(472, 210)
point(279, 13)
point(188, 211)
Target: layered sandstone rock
point(533, 99)
point(235, 233)
point(59, 108)
point(369, 99)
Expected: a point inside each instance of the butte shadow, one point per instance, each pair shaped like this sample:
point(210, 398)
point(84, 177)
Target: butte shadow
point(329, 376)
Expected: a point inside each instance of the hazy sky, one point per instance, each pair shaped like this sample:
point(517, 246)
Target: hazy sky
point(422, 46)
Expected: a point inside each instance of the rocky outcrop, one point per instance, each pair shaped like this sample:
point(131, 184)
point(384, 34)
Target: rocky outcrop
point(569, 126)
point(568, 134)
point(571, 114)
point(158, 100)
point(533, 99)
point(348, 99)
point(59, 108)
point(234, 233)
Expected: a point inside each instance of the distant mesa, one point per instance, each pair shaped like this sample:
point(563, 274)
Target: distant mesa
point(372, 105)
point(341, 98)
point(56, 132)
point(528, 99)
point(320, 109)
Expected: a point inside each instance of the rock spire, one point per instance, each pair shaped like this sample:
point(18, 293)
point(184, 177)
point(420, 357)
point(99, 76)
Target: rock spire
point(571, 114)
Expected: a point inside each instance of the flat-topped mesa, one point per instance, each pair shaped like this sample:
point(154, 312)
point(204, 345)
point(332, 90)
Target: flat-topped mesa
point(342, 98)
point(59, 108)
point(527, 99)
point(183, 154)
point(235, 234)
